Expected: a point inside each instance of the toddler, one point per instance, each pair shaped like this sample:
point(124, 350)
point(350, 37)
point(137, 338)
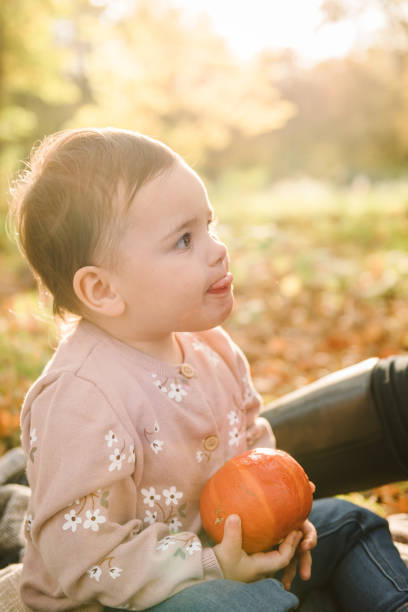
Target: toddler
point(147, 397)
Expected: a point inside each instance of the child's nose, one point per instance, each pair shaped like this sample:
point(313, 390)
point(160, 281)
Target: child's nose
point(218, 251)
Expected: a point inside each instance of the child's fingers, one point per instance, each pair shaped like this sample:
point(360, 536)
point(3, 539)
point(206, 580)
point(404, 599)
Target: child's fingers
point(305, 564)
point(310, 536)
point(289, 573)
point(287, 548)
point(232, 539)
point(275, 560)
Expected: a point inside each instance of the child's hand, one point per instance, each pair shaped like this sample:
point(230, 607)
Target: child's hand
point(236, 564)
point(303, 558)
point(308, 542)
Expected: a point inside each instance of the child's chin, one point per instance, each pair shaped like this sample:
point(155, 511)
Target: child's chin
point(223, 313)
point(211, 319)
point(230, 308)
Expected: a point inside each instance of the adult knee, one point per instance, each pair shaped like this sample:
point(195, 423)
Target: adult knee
point(333, 513)
point(231, 596)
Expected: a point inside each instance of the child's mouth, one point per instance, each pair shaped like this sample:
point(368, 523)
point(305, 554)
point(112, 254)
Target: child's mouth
point(223, 285)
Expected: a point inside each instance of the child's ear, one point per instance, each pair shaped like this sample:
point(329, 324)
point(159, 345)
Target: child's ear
point(93, 287)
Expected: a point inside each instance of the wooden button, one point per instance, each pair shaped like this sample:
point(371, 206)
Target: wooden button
point(186, 370)
point(211, 443)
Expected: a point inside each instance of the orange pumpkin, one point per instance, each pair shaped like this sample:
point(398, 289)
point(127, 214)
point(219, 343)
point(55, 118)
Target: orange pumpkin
point(267, 488)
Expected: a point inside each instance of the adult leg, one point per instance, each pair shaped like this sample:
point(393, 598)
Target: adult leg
point(356, 559)
point(349, 430)
point(229, 596)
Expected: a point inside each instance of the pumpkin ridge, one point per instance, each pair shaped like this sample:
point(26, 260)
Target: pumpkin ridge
point(256, 506)
point(267, 488)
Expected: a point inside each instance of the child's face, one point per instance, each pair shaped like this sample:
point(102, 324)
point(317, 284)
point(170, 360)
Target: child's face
point(173, 271)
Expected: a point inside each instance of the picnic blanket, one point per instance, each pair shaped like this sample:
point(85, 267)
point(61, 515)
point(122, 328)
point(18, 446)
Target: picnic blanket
point(14, 498)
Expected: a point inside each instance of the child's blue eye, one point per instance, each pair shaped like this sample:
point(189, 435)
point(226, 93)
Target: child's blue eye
point(184, 241)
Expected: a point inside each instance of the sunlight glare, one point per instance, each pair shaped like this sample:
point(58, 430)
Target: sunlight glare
point(294, 24)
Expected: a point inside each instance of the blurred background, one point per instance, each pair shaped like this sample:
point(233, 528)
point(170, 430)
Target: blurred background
point(295, 114)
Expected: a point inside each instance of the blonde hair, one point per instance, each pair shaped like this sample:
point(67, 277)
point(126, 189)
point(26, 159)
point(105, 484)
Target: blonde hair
point(69, 205)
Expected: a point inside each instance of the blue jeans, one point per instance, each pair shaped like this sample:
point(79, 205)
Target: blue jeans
point(356, 568)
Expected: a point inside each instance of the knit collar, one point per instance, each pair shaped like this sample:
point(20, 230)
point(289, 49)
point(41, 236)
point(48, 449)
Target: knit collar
point(139, 358)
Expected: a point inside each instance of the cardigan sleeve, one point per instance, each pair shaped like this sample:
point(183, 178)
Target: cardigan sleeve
point(84, 467)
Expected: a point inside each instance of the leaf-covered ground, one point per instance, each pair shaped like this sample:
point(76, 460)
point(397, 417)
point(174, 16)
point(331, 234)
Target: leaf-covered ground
point(321, 282)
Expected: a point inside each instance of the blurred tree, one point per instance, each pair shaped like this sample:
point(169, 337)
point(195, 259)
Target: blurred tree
point(351, 112)
point(37, 91)
point(351, 119)
point(141, 64)
point(135, 64)
point(151, 71)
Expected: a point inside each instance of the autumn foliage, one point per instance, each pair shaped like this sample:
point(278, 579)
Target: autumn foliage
point(319, 259)
point(315, 292)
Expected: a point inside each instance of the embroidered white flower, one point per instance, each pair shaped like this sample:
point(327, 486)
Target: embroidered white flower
point(234, 437)
point(233, 417)
point(132, 455)
point(174, 525)
point(150, 496)
point(157, 446)
point(94, 519)
point(159, 385)
point(192, 547)
point(115, 572)
point(95, 573)
point(199, 456)
point(213, 357)
point(111, 438)
point(150, 518)
point(33, 436)
point(172, 496)
point(249, 392)
point(29, 522)
point(165, 543)
point(72, 521)
point(177, 392)
point(116, 459)
point(200, 346)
